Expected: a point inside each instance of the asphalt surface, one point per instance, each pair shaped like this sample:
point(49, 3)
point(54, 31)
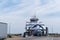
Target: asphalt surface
point(35, 38)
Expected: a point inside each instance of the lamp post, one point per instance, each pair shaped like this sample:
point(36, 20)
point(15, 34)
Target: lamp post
point(9, 29)
point(52, 31)
point(52, 28)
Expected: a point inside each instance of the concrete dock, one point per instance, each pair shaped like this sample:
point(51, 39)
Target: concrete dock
point(35, 38)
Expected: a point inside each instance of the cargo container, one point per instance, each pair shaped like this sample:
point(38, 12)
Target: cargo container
point(3, 30)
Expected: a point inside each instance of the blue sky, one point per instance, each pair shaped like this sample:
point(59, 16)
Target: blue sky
point(17, 12)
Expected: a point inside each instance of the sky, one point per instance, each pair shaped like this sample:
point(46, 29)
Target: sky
point(16, 12)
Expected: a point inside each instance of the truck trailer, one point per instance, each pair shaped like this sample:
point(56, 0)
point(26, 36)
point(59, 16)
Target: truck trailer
point(3, 30)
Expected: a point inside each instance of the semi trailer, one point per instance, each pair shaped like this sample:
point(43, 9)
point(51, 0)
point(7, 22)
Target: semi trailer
point(3, 30)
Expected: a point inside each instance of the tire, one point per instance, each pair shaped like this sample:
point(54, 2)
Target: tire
point(38, 34)
point(46, 31)
point(24, 35)
point(34, 34)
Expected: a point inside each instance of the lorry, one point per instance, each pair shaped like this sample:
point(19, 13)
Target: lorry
point(35, 28)
point(3, 30)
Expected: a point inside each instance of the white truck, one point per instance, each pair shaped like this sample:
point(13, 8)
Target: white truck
point(3, 30)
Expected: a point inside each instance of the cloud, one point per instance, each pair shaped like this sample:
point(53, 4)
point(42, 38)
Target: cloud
point(31, 6)
point(55, 14)
point(17, 12)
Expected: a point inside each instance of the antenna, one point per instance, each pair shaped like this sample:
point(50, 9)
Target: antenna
point(34, 14)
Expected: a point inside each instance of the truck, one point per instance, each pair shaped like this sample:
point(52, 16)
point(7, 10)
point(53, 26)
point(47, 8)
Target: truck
point(35, 28)
point(3, 30)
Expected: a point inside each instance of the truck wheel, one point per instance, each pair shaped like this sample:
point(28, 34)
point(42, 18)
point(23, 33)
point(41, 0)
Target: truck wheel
point(35, 34)
point(24, 35)
point(46, 31)
point(38, 34)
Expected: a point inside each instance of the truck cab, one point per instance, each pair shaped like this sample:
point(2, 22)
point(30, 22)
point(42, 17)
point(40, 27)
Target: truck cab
point(35, 28)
